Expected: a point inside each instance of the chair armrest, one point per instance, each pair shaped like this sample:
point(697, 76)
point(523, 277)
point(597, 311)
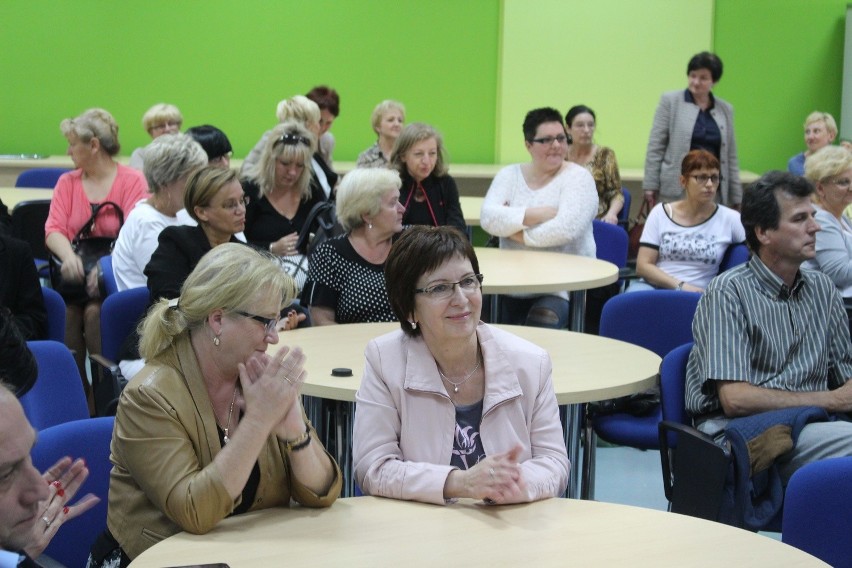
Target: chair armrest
point(107, 384)
point(694, 469)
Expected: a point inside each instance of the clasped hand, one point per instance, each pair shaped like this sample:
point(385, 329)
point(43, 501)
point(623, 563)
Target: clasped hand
point(497, 479)
point(271, 390)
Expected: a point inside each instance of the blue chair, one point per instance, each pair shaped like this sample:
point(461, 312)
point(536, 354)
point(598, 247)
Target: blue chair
point(120, 313)
point(735, 255)
point(57, 395)
point(106, 271)
point(55, 307)
point(694, 467)
point(40, 177)
point(610, 242)
point(818, 511)
point(88, 439)
point(658, 320)
point(624, 214)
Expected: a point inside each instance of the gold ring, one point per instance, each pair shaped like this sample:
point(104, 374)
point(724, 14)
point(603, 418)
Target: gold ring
point(286, 378)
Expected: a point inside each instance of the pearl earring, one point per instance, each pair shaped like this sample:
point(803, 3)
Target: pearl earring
point(216, 340)
point(413, 324)
point(369, 225)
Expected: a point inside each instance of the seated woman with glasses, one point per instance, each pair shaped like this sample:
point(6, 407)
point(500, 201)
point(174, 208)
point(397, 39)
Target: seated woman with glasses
point(282, 178)
point(346, 281)
point(548, 204)
point(213, 426)
point(450, 407)
point(830, 170)
point(160, 119)
point(684, 241)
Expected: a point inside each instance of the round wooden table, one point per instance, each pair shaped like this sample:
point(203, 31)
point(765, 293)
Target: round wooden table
point(586, 368)
point(371, 531)
point(540, 272)
point(11, 196)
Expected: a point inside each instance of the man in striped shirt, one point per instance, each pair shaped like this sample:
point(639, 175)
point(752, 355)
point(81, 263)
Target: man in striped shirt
point(769, 335)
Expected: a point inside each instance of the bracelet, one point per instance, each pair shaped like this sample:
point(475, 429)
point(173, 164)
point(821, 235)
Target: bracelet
point(680, 286)
point(300, 442)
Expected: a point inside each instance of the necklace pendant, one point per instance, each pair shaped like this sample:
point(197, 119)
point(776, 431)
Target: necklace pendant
point(455, 389)
point(226, 439)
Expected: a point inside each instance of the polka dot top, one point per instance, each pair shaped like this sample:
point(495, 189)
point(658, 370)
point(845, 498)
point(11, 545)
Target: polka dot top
point(340, 279)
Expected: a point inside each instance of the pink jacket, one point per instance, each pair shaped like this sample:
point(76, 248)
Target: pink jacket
point(405, 420)
point(70, 207)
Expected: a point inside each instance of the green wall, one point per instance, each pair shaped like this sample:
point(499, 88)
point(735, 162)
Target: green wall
point(615, 56)
point(229, 63)
point(783, 59)
point(471, 67)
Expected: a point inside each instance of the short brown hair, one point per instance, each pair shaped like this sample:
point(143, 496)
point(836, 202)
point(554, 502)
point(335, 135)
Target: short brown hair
point(698, 160)
point(420, 249)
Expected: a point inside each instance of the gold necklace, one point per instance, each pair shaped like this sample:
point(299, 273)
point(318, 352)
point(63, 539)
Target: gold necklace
point(230, 412)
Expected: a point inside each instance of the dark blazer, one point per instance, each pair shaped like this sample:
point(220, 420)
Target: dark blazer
point(443, 195)
point(20, 290)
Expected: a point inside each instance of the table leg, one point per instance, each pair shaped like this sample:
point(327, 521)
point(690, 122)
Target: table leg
point(577, 308)
point(572, 423)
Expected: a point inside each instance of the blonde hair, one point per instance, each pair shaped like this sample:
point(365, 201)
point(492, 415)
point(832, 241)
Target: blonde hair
point(360, 193)
point(824, 117)
point(230, 277)
point(203, 185)
point(263, 172)
point(94, 123)
point(826, 162)
point(384, 108)
point(160, 112)
point(299, 108)
point(169, 158)
point(411, 135)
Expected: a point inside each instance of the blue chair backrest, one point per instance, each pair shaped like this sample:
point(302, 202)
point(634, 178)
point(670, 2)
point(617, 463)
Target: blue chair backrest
point(110, 284)
point(120, 312)
point(88, 439)
point(673, 384)
point(659, 320)
point(55, 307)
point(817, 505)
point(610, 242)
point(40, 177)
point(735, 255)
point(57, 395)
point(624, 214)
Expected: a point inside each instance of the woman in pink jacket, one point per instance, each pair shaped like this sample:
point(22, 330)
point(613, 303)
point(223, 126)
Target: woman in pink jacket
point(98, 179)
point(450, 407)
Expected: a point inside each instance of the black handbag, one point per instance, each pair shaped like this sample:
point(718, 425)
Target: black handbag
point(90, 250)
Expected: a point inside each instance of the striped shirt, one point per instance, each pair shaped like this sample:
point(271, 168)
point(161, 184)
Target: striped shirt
point(749, 326)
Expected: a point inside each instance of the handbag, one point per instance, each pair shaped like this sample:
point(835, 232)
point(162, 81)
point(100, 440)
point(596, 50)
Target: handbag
point(634, 235)
point(296, 265)
point(90, 250)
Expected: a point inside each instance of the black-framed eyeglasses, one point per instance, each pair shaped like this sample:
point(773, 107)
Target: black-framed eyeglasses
point(548, 140)
point(445, 290)
point(268, 323)
point(703, 179)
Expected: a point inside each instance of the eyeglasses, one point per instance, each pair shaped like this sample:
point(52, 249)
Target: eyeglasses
point(548, 140)
point(167, 124)
point(842, 183)
point(234, 204)
point(445, 290)
point(268, 323)
point(703, 179)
